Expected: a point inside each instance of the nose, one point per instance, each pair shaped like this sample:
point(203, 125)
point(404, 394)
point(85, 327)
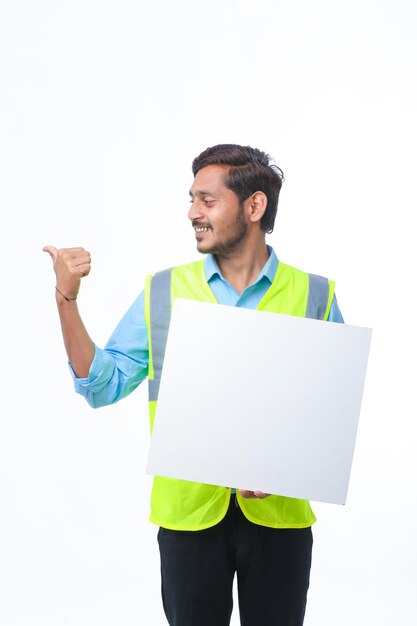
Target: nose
point(195, 211)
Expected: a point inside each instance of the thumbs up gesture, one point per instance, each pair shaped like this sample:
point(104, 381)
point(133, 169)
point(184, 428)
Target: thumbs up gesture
point(70, 265)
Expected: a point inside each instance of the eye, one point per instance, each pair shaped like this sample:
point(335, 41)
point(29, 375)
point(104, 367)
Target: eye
point(208, 202)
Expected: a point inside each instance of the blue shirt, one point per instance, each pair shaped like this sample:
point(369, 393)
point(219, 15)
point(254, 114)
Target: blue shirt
point(118, 369)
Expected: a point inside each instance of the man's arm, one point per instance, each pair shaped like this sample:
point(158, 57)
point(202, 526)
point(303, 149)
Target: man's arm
point(70, 265)
point(102, 376)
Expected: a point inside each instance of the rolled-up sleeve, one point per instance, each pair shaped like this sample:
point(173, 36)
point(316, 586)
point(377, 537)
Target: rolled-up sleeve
point(335, 314)
point(122, 365)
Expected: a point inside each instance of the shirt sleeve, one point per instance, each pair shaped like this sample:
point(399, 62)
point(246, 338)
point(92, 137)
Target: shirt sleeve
point(334, 314)
point(122, 365)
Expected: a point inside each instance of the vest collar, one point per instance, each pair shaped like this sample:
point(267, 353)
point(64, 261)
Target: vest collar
point(269, 269)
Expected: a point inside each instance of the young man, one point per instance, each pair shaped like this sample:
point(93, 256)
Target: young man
point(209, 533)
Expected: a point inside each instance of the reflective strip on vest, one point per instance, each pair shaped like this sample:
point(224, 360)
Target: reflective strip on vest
point(160, 314)
point(318, 295)
point(153, 389)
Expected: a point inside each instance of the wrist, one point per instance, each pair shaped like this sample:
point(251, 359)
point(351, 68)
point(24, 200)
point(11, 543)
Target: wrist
point(62, 296)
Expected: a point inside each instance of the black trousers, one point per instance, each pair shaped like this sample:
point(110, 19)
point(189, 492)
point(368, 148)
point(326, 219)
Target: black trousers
point(272, 566)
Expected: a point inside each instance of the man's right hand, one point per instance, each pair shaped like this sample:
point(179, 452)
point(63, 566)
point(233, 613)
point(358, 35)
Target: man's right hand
point(70, 265)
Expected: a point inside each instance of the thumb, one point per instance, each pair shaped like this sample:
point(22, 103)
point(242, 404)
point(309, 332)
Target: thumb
point(52, 251)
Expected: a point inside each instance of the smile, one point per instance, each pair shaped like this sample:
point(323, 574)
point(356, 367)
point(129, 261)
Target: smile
point(201, 229)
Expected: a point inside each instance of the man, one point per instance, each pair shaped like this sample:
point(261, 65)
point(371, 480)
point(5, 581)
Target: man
point(208, 533)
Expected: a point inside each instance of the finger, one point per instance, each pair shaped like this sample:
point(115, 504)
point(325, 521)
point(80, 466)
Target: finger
point(75, 253)
point(52, 251)
point(261, 494)
point(77, 271)
point(72, 255)
point(83, 259)
point(245, 493)
point(83, 270)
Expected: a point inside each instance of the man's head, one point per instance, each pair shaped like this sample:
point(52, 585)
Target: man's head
point(249, 171)
point(221, 222)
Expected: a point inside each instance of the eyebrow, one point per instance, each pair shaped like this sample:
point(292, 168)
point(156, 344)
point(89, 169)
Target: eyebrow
point(200, 193)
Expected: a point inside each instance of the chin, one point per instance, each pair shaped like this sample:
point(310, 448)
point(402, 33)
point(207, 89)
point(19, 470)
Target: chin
point(203, 249)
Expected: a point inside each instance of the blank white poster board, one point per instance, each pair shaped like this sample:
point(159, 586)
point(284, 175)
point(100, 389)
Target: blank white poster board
point(259, 401)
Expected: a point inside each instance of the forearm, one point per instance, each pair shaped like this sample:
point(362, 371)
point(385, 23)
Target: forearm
point(101, 376)
point(78, 344)
point(123, 364)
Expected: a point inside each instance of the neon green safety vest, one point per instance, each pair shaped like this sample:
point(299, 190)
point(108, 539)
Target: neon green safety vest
point(184, 505)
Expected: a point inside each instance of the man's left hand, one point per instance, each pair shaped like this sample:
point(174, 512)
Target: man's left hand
point(245, 493)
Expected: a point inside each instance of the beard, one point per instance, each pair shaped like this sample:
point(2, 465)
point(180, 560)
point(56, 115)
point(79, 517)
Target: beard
point(230, 240)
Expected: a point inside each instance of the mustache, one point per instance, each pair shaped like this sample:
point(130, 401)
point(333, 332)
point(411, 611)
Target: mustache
point(197, 224)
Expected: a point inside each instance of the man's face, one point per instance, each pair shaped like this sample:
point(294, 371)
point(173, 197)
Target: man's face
point(216, 214)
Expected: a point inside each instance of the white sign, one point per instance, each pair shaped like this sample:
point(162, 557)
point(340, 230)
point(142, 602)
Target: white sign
point(259, 401)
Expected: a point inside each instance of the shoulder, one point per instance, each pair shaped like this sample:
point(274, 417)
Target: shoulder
point(296, 272)
point(317, 289)
point(193, 265)
point(188, 273)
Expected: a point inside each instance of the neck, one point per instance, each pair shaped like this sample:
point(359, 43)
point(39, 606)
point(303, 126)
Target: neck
point(242, 268)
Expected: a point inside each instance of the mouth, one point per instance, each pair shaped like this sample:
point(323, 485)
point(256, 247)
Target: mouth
point(201, 229)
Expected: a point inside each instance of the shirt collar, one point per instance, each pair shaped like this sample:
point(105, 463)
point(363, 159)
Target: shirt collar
point(269, 269)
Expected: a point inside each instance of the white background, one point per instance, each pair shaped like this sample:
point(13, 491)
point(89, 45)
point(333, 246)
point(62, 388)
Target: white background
point(103, 106)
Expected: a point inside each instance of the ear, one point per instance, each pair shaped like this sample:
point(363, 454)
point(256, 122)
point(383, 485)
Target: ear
point(257, 204)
